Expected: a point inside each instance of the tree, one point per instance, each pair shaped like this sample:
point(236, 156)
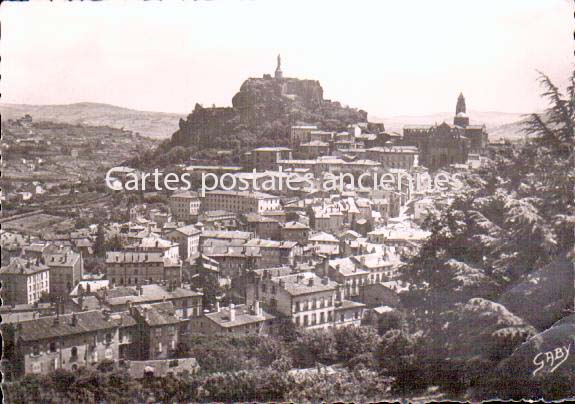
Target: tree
point(100, 243)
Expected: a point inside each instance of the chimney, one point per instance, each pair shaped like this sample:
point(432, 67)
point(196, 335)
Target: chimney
point(324, 280)
point(74, 320)
point(217, 305)
point(257, 308)
point(232, 312)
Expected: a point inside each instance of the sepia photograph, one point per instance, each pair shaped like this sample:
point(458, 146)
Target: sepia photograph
point(302, 201)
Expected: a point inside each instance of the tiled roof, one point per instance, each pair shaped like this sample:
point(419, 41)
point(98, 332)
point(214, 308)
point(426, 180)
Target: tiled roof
point(66, 259)
point(189, 230)
point(150, 293)
point(346, 267)
point(299, 284)
point(226, 234)
point(323, 236)
point(47, 327)
point(23, 266)
point(257, 242)
point(158, 313)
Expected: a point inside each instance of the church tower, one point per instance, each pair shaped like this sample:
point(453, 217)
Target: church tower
point(461, 118)
point(278, 73)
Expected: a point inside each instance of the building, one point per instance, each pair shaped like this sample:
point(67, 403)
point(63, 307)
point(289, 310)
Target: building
point(349, 276)
point(155, 244)
point(66, 270)
point(225, 236)
point(301, 134)
point(67, 341)
point(265, 227)
point(275, 253)
point(188, 240)
point(240, 201)
point(313, 149)
point(445, 144)
point(400, 238)
point(294, 231)
point(348, 313)
point(380, 266)
point(405, 157)
point(156, 332)
point(305, 298)
point(232, 259)
point(185, 206)
point(25, 312)
point(139, 268)
point(266, 158)
point(239, 320)
point(24, 281)
point(187, 303)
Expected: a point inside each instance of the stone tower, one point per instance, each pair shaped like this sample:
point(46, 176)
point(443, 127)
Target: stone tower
point(461, 118)
point(278, 73)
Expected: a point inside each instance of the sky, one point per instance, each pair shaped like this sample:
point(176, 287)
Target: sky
point(388, 57)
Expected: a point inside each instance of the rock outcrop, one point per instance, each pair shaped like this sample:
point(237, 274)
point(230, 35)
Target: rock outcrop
point(261, 114)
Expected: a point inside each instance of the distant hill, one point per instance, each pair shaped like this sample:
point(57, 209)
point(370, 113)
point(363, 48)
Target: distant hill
point(157, 125)
point(503, 125)
point(161, 125)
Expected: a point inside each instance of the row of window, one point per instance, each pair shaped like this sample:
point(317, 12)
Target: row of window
point(313, 304)
point(53, 346)
point(313, 319)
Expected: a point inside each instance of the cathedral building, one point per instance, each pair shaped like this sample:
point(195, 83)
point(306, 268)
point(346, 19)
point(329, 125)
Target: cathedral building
point(445, 144)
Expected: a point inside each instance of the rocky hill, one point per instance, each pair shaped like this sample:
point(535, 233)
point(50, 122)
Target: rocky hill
point(157, 125)
point(261, 114)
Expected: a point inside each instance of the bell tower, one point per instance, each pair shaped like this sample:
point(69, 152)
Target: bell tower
point(461, 118)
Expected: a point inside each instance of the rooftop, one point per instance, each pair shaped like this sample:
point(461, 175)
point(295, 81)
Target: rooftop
point(70, 324)
point(242, 194)
point(304, 283)
point(158, 314)
point(20, 266)
point(184, 194)
point(150, 293)
point(243, 315)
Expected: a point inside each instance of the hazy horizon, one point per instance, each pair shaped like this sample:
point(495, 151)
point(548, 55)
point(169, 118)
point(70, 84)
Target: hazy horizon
point(395, 58)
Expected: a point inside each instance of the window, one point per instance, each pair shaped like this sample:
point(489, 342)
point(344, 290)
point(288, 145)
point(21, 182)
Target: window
point(356, 315)
point(263, 287)
point(274, 289)
point(297, 322)
point(53, 347)
point(36, 350)
point(108, 338)
point(297, 307)
point(160, 346)
point(322, 317)
point(158, 332)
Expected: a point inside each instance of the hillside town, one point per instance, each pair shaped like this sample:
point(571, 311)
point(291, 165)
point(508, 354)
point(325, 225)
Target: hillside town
point(96, 277)
point(135, 290)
